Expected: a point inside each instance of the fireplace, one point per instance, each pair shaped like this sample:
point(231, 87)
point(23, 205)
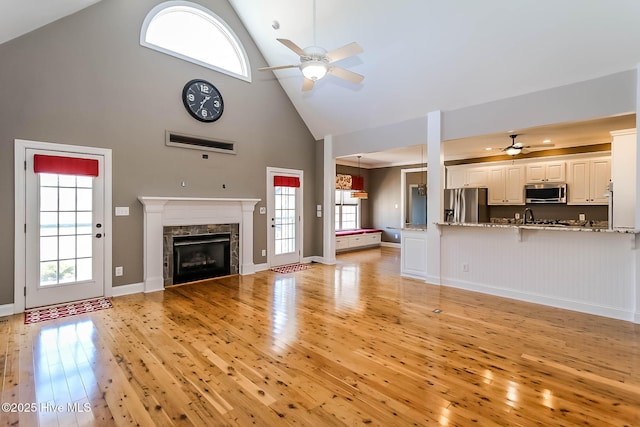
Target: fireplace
point(201, 257)
point(173, 214)
point(196, 252)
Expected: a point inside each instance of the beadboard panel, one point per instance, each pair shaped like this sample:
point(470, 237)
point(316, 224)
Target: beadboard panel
point(588, 272)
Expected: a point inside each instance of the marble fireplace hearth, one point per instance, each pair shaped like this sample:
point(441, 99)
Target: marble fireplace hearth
point(161, 212)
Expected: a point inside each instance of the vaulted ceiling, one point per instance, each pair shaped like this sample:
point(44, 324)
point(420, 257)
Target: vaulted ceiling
point(419, 55)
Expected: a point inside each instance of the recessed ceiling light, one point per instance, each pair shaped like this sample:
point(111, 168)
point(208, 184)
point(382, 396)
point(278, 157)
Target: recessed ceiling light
point(546, 141)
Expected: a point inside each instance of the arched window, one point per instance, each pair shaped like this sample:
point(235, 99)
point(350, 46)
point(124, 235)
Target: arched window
point(191, 32)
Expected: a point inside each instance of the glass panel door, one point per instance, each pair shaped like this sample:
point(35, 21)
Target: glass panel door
point(64, 249)
point(285, 207)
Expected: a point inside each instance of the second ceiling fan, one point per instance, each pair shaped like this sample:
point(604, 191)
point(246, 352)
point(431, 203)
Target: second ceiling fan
point(517, 147)
point(316, 62)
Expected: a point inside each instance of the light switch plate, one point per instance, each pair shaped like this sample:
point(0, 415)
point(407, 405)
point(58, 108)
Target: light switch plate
point(122, 210)
point(119, 271)
point(263, 210)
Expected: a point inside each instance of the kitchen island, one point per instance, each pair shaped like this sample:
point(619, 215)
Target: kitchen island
point(587, 269)
point(413, 251)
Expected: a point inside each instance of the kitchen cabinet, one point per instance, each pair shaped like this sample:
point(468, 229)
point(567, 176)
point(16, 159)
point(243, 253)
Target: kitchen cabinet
point(358, 241)
point(506, 185)
point(466, 176)
point(588, 181)
point(546, 172)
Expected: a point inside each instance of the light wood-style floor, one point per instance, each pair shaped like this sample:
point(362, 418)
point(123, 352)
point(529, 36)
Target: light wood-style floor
point(350, 344)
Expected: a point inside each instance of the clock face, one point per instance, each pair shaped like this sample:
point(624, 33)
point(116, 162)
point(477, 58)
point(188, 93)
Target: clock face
point(202, 100)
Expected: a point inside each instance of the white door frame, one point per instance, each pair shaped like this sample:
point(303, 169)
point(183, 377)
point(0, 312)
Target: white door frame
point(270, 206)
point(20, 254)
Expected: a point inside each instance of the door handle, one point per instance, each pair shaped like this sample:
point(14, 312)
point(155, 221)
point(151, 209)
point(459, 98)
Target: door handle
point(98, 225)
point(98, 235)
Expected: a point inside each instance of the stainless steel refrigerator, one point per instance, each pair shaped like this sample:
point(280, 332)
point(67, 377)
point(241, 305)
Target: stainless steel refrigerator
point(467, 205)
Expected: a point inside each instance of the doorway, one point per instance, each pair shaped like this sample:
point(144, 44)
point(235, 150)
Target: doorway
point(284, 207)
point(63, 226)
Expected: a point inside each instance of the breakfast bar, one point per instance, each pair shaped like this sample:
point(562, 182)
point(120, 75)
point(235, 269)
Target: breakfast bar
point(587, 269)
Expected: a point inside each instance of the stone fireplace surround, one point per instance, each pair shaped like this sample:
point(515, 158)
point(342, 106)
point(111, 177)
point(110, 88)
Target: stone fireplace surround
point(160, 212)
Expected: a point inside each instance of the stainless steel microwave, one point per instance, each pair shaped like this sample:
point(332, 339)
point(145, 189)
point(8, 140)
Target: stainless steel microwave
point(546, 193)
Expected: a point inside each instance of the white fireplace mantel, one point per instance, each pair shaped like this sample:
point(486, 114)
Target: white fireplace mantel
point(174, 211)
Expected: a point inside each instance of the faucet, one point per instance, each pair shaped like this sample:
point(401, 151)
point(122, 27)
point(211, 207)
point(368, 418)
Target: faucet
point(524, 217)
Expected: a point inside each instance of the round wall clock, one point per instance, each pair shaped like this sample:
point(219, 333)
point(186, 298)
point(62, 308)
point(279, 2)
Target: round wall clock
point(202, 100)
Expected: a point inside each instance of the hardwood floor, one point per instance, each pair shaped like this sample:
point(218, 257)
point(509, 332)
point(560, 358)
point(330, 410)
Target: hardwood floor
point(350, 344)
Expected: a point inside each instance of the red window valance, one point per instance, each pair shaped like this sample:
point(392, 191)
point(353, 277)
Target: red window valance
point(286, 181)
point(65, 165)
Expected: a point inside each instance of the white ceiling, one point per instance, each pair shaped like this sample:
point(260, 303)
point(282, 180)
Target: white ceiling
point(419, 55)
point(18, 17)
point(426, 55)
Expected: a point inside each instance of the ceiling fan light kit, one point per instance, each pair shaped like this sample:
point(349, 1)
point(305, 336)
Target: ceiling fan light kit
point(512, 151)
point(314, 69)
point(316, 62)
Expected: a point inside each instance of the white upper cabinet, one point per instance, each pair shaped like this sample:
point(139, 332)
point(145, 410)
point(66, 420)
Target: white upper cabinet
point(546, 172)
point(506, 185)
point(588, 181)
point(467, 176)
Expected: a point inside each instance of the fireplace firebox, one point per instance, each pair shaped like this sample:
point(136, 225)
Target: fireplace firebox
point(198, 257)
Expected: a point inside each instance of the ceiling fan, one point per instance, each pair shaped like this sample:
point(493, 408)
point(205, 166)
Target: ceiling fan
point(316, 62)
point(517, 147)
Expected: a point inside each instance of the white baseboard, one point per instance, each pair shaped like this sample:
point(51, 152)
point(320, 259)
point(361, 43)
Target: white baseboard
point(319, 260)
point(134, 288)
point(597, 310)
point(390, 245)
point(636, 318)
point(6, 310)
point(261, 267)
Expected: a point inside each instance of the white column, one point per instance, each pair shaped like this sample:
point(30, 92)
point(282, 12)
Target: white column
point(435, 181)
point(329, 189)
point(153, 246)
point(636, 160)
point(246, 239)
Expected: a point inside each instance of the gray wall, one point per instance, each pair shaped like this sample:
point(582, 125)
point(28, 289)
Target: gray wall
point(385, 202)
point(85, 80)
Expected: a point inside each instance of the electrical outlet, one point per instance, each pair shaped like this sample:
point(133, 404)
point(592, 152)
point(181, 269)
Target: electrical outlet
point(395, 236)
point(582, 217)
point(465, 267)
point(119, 271)
point(264, 252)
point(517, 215)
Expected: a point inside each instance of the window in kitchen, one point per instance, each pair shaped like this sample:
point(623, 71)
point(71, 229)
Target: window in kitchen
point(347, 211)
point(193, 33)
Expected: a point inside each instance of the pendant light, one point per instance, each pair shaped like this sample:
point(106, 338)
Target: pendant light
point(422, 187)
point(360, 193)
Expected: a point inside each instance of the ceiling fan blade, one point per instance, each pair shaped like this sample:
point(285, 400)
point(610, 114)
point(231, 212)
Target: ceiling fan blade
point(307, 85)
point(344, 52)
point(346, 74)
point(280, 67)
point(294, 47)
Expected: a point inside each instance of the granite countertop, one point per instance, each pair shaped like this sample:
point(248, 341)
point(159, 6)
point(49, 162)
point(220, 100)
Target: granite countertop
point(410, 227)
point(554, 227)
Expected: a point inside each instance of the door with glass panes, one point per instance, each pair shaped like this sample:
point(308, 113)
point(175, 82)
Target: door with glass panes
point(285, 207)
point(64, 233)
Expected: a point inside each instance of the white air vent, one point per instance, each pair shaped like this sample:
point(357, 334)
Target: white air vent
point(174, 139)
